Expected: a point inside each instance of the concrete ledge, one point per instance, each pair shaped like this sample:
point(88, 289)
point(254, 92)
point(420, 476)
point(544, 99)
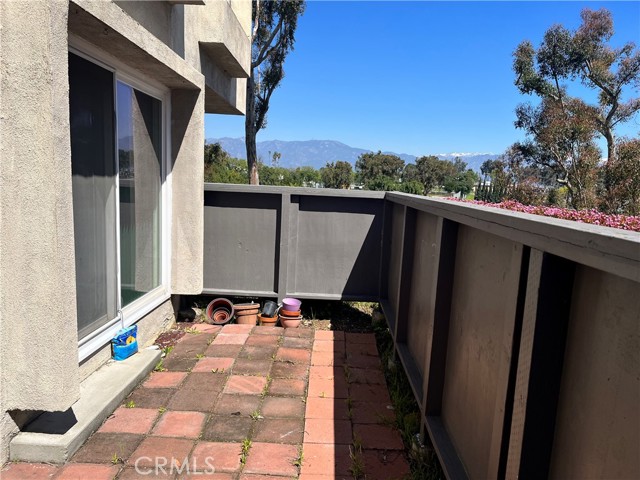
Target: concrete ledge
point(54, 437)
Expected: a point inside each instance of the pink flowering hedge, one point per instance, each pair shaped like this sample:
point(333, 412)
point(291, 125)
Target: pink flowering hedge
point(624, 222)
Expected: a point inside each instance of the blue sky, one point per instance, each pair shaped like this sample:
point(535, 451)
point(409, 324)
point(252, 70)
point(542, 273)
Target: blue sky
point(414, 77)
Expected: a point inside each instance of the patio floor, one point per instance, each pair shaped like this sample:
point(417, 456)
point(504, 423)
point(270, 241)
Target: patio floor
point(242, 402)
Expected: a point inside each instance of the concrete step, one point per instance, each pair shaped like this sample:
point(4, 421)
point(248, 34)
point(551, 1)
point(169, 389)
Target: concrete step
point(54, 437)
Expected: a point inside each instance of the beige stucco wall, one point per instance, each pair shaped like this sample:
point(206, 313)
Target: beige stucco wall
point(242, 9)
point(39, 368)
point(217, 43)
point(38, 355)
point(187, 179)
point(37, 262)
point(155, 16)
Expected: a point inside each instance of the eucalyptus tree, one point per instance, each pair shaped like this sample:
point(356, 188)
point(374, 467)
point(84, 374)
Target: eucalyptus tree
point(272, 38)
point(584, 55)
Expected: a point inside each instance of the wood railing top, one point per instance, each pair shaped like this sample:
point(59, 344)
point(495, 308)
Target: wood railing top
point(609, 249)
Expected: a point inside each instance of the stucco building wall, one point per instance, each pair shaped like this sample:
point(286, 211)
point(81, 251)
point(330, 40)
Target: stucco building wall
point(39, 360)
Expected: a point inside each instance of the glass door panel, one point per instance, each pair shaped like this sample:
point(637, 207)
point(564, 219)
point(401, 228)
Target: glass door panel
point(91, 108)
point(139, 120)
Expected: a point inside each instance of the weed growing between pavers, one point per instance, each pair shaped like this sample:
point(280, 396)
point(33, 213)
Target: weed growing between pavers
point(160, 366)
point(300, 459)
point(357, 467)
point(423, 462)
point(246, 446)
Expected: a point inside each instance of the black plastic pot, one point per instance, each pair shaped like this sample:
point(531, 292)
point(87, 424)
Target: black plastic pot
point(269, 309)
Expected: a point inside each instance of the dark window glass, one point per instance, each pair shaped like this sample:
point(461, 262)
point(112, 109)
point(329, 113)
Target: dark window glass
point(91, 104)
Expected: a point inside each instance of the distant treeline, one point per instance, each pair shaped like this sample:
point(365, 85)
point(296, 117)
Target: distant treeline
point(373, 171)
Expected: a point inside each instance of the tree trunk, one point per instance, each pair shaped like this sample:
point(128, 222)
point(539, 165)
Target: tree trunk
point(250, 133)
point(611, 145)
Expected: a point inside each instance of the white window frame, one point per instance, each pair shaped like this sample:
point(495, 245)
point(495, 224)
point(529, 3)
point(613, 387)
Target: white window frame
point(142, 306)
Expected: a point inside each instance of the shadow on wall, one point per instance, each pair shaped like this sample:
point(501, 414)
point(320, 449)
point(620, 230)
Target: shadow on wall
point(338, 247)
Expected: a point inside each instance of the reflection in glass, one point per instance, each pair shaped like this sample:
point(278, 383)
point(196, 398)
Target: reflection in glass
point(139, 120)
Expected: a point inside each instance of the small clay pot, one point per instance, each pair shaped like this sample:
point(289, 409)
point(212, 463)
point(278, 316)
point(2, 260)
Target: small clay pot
point(290, 322)
point(267, 321)
point(289, 313)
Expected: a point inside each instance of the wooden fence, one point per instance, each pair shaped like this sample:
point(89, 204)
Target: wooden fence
point(520, 334)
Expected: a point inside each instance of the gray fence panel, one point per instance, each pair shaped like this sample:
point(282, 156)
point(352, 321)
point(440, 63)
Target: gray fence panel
point(337, 247)
point(241, 248)
point(275, 241)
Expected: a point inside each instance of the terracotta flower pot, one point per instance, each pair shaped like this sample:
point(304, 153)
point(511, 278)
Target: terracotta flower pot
point(290, 322)
point(250, 319)
point(246, 313)
point(289, 313)
point(267, 321)
point(219, 311)
point(241, 307)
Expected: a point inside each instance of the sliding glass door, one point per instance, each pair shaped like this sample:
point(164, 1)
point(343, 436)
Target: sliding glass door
point(117, 158)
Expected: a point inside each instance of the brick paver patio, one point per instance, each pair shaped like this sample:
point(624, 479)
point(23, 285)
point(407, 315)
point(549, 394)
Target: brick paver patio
point(241, 403)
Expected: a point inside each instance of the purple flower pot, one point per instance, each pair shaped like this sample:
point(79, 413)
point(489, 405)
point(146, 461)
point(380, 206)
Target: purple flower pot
point(291, 304)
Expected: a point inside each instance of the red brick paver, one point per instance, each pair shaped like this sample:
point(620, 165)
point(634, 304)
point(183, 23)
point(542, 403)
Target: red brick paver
point(326, 459)
point(287, 386)
point(27, 471)
point(164, 379)
point(329, 408)
point(327, 430)
point(378, 437)
point(248, 403)
point(83, 471)
point(213, 364)
point(329, 335)
point(231, 339)
point(180, 424)
point(130, 420)
point(328, 387)
point(385, 465)
point(272, 459)
point(223, 457)
point(326, 358)
point(245, 385)
point(293, 355)
point(155, 450)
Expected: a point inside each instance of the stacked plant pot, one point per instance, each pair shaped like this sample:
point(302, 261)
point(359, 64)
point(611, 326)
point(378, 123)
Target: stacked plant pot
point(219, 311)
point(290, 315)
point(246, 313)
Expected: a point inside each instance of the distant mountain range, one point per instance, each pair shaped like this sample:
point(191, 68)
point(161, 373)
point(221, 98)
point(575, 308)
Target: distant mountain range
point(316, 153)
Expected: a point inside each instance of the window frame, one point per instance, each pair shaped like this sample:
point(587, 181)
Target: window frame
point(137, 309)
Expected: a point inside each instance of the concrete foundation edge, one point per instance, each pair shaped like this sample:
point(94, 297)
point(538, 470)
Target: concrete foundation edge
point(101, 393)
